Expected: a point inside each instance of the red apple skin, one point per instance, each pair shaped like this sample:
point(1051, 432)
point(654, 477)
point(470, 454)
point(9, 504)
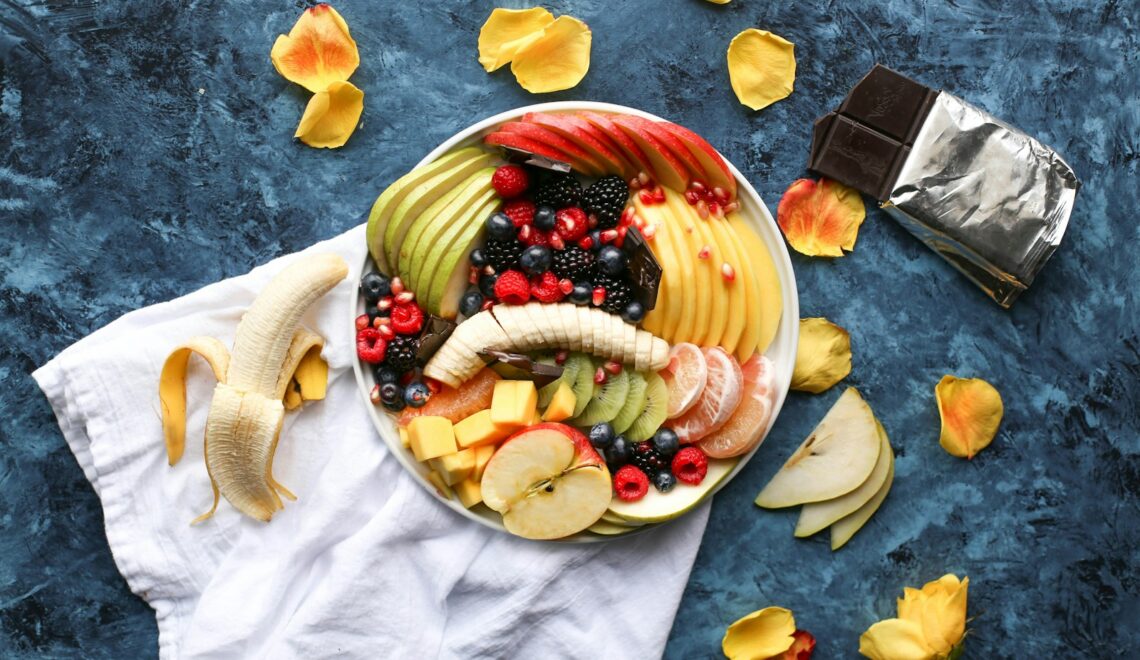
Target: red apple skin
point(626, 144)
point(583, 134)
point(711, 156)
point(672, 172)
point(673, 144)
point(587, 163)
point(585, 454)
point(515, 141)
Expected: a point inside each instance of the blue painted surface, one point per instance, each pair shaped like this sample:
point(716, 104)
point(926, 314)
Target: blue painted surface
point(145, 151)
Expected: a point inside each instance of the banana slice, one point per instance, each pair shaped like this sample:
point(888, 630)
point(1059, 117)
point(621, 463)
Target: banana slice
point(513, 325)
point(549, 315)
point(585, 325)
point(601, 330)
point(617, 337)
point(630, 343)
point(658, 354)
point(568, 317)
point(643, 344)
point(538, 322)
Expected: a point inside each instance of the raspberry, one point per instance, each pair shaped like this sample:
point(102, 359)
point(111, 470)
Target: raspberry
point(631, 483)
point(545, 288)
point(571, 223)
point(370, 346)
point(520, 211)
point(510, 181)
point(512, 288)
point(407, 318)
point(532, 236)
point(690, 465)
point(363, 322)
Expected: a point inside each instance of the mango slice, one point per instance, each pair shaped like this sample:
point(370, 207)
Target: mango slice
point(331, 116)
point(760, 635)
point(557, 60)
point(318, 50)
point(823, 357)
point(820, 218)
point(508, 30)
point(761, 67)
point(971, 411)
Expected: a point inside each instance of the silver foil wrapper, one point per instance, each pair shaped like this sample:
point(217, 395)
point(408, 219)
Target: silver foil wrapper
point(993, 201)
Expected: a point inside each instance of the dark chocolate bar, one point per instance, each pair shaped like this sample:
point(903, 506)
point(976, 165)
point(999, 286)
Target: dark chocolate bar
point(644, 271)
point(517, 366)
point(436, 330)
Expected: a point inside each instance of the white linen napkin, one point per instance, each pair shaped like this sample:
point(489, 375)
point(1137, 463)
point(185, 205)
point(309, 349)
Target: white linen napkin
point(366, 563)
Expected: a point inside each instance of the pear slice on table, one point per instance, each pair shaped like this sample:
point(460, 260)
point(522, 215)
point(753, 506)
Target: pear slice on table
point(818, 515)
point(838, 456)
point(845, 528)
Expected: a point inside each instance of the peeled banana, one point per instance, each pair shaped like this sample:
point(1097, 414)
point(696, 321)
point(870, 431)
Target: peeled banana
point(274, 367)
point(535, 326)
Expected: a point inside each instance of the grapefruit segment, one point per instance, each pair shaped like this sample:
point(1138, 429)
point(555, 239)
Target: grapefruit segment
point(459, 403)
point(722, 394)
point(746, 428)
point(685, 377)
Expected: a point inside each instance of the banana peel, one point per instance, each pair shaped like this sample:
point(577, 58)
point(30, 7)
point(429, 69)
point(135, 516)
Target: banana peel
point(275, 366)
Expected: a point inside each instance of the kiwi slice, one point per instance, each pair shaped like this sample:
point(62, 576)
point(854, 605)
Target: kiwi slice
point(608, 400)
point(583, 383)
point(634, 403)
point(653, 415)
point(569, 374)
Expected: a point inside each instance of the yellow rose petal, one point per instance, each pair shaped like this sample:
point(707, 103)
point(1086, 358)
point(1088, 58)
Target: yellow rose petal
point(331, 116)
point(761, 67)
point(557, 60)
point(820, 218)
point(506, 30)
point(895, 639)
point(823, 357)
point(318, 50)
point(760, 635)
point(720, 2)
point(971, 411)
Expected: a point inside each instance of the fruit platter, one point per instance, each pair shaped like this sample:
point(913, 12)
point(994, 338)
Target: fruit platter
point(576, 321)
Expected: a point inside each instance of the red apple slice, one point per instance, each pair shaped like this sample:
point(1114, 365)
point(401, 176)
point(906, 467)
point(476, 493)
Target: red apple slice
point(745, 429)
point(522, 143)
point(548, 482)
point(673, 144)
point(633, 152)
point(671, 172)
point(716, 172)
point(586, 163)
point(582, 133)
point(722, 395)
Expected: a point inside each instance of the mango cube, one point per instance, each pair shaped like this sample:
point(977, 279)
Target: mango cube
point(561, 405)
point(514, 402)
point(404, 436)
point(440, 485)
point(455, 467)
point(478, 429)
point(483, 454)
point(431, 437)
point(537, 419)
point(470, 492)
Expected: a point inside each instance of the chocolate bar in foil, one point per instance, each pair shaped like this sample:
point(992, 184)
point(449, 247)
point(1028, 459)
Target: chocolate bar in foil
point(991, 200)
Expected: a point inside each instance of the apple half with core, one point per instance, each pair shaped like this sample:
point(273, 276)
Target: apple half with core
point(548, 482)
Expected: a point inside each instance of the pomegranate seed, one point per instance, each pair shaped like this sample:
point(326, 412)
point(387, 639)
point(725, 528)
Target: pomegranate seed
point(609, 235)
point(634, 184)
point(380, 320)
point(565, 285)
point(525, 232)
point(599, 296)
point(646, 197)
point(488, 304)
point(474, 276)
point(649, 231)
point(652, 185)
point(627, 216)
point(405, 297)
point(705, 252)
point(385, 303)
point(362, 322)
point(643, 178)
point(731, 207)
point(488, 269)
point(600, 376)
point(697, 187)
point(727, 272)
point(433, 385)
point(397, 286)
point(691, 197)
point(703, 209)
point(556, 241)
point(612, 366)
point(561, 356)
point(374, 395)
point(620, 240)
point(720, 194)
point(659, 196)
point(585, 242)
point(386, 332)
point(714, 209)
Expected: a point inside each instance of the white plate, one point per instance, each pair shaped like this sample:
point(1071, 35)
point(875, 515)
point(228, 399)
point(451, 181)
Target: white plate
point(782, 351)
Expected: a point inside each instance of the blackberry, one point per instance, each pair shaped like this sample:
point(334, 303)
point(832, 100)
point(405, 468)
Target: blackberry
point(573, 263)
point(502, 255)
point(648, 459)
point(618, 293)
point(606, 199)
point(400, 355)
point(558, 191)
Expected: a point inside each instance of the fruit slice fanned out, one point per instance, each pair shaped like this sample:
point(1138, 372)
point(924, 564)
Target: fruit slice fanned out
point(540, 133)
point(721, 396)
point(747, 426)
point(685, 376)
point(816, 516)
point(845, 528)
point(715, 170)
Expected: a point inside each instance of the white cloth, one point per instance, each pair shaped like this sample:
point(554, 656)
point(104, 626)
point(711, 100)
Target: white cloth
point(366, 563)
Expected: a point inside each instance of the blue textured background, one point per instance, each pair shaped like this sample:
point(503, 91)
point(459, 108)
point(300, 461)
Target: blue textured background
point(145, 151)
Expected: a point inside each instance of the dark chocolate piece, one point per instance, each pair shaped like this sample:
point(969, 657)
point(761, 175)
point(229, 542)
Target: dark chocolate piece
point(644, 270)
point(865, 143)
point(521, 367)
point(436, 330)
point(542, 162)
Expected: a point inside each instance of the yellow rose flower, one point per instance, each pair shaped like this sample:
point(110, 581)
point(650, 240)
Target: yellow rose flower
point(930, 626)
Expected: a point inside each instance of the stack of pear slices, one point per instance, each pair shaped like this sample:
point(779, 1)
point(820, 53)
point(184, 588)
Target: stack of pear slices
point(840, 474)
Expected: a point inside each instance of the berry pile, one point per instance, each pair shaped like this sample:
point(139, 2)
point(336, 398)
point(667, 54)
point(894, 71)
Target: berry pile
point(387, 338)
point(659, 461)
point(554, 241)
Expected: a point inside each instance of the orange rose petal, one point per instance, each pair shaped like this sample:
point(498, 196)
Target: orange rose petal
point(508, 30)
point(331, 116)
point(820, 218)
point(971, 410)
point(318, 50)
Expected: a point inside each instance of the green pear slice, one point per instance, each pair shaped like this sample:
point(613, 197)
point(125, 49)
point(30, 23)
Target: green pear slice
point(845, 528)
point(818, 515)
point(452, 269)
point(430, 227)
point(423, 196)
point(834, 460)
point(611, 517)
point(607, 528)
point(659, 507)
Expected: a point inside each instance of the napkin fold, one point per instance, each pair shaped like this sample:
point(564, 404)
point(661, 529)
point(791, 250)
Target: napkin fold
point(366, 563)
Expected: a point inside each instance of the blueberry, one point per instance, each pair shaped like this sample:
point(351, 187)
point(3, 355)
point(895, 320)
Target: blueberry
point(664, 481)
point(478, 259)
point(487, 284)
point(633, 312)
point(596, 237)
point(581, 294)
point(374, 286)
point(374, 313)
point(415, 394)
point(500, 227)
point(665, 442)
point(392, 396)
point(385, 375)
point(544, 218)
point(602, 435)
point(471, 303)
point(618, 453)
point(535, 260)
point(611, 260)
